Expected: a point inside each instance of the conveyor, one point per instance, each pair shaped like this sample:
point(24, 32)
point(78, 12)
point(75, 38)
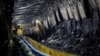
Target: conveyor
point(33, 48)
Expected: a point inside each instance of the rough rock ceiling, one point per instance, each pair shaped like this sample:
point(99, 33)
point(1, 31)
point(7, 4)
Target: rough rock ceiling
point(27, 10)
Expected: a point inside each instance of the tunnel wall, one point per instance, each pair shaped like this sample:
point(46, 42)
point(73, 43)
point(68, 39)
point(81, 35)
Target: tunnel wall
point(5, 23)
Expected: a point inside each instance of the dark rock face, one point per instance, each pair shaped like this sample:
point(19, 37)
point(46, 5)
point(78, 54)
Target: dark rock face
point(83, 40)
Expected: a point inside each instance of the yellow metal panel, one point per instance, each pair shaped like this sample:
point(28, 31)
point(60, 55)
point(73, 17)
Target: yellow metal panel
point(19, 32)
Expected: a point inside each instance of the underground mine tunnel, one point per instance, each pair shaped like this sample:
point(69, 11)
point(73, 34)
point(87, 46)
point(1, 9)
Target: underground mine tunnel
point(49, 27)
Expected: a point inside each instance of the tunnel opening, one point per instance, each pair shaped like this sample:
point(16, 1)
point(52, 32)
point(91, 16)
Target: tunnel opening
point(65, 25)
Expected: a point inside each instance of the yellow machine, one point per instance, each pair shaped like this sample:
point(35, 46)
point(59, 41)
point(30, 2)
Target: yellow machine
point(19, 30)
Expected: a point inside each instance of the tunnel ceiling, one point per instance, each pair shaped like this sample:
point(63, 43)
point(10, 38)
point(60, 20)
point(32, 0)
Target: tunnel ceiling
point(26, 11)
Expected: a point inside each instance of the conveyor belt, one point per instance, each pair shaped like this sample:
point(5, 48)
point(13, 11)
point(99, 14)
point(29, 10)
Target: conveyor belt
point(43, 50)
point(33, 48)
